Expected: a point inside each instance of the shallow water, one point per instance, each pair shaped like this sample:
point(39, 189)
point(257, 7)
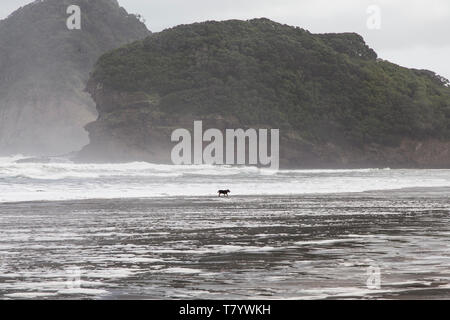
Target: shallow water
point(274, 247)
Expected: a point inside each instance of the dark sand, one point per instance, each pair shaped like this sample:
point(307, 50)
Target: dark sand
point(277, 247)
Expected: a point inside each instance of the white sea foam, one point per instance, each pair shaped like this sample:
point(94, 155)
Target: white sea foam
point(63, 180)
point(182, 270)
point(30, 295)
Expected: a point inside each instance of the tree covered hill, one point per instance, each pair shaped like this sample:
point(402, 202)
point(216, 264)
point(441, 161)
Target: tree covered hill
point(329, 94)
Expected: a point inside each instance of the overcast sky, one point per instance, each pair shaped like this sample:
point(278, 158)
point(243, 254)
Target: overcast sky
point(412, 33)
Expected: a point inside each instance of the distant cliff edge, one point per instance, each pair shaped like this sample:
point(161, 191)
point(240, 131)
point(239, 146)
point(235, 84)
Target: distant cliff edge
point(44, 68)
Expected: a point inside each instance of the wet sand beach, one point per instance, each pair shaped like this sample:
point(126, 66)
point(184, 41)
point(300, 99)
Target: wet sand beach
point(264, 247)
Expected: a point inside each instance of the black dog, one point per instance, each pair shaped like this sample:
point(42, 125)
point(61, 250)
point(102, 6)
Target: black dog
point(224, 192)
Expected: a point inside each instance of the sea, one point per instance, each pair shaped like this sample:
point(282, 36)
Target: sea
point(149, 231)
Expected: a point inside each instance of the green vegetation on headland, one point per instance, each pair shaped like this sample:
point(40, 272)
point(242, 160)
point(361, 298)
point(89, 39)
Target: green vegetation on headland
point(319, 89)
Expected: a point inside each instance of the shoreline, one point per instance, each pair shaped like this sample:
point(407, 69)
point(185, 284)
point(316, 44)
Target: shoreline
point(416, 192)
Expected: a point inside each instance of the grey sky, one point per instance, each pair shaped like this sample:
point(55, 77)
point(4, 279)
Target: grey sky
point(413, 33)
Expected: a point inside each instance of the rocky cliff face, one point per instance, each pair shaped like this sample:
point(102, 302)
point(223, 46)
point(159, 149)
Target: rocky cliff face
point(44, 68)
point(131, 128)
point(335, 103)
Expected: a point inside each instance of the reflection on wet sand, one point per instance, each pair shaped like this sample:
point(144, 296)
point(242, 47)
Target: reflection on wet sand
point(297, 247)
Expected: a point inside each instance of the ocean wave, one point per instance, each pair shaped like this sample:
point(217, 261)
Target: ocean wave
point(75, 181)
point(9, 168)
point(67, 170)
